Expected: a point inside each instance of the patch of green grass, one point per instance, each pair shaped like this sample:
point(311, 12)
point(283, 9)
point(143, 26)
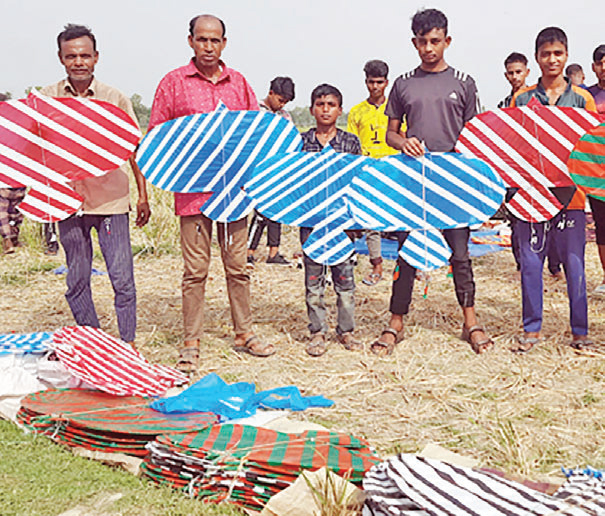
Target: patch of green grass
point(39, 477)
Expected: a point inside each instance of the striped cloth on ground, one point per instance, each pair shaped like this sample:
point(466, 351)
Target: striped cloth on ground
point(100, 421)
point(247, 465)
point(529, 147)
point(587, 160)
point(308, 189)
point(45, 143)
point(111, 365)
point(15, 343)
point(407, 484)
point(215, 152)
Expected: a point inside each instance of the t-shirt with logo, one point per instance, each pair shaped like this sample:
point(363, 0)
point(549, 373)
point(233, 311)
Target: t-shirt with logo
point(436, 105)
point(599, 97)
point(369, 123)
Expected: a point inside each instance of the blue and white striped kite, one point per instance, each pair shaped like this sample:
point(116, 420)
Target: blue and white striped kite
point(215, 152)
point(438, 191)
point(19, 344)
point(333, 192)
point(307, 189)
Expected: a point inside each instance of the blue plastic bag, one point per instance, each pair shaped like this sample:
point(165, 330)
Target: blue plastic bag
point(212, 394)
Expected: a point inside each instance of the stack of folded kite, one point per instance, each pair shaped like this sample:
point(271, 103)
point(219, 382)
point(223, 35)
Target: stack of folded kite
point(247, 465)
point(104, 422)
point(19, 344)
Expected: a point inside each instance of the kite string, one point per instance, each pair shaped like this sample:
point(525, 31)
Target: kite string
point(533, 203)
point(424, 219)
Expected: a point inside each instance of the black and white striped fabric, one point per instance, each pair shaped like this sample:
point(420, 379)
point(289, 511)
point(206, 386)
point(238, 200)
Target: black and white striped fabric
point(414, 486)
point(584, 490)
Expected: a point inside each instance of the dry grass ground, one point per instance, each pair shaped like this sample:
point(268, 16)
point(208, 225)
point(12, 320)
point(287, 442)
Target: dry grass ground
point(527, 414)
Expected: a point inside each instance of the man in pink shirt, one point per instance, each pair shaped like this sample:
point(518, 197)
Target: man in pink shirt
point(197, 88)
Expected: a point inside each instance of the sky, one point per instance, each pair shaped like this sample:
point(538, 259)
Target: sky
point(312, 41)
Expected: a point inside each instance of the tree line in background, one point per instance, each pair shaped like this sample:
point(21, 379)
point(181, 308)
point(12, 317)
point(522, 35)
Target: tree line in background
point(301, 116)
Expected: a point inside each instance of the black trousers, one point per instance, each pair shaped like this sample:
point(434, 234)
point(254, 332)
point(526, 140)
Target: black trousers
point(256, 228)
point(462, 270)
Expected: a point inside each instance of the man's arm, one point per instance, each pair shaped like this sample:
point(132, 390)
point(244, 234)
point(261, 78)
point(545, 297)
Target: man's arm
point(143, 210)
point(410, 146)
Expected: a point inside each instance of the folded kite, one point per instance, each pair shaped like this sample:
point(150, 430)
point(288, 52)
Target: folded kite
point(111, 365)
point(215, 152)
point(529, 147)
point(100, 421)
point(247, 465)
point(412, 485)
point(45, 143)
point(587, 162)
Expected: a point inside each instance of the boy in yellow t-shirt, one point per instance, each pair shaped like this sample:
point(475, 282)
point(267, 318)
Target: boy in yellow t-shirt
point(369, 123)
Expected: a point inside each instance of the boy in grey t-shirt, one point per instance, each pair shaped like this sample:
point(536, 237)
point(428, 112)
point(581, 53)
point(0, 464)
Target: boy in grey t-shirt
point(436, 101)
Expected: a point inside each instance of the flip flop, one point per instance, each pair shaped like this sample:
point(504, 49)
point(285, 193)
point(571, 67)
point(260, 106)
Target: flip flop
point(526, 344)
point(372, 278)
point(583, 343)
point(253, 346)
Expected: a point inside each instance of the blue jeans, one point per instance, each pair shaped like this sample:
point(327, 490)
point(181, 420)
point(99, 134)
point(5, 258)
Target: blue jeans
point(315, 286)
point(114, 241)
point(566, 233)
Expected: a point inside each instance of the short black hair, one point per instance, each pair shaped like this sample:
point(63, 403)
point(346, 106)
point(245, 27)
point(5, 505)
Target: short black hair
point(325, 89)
point(598, 54)
point(195, 19)
point(376, 68)
point(571, 69)
point(551, 35)
point(515, 57)
point(4, 97)
point(283, 86)
point(74, 31)
point(428, 19)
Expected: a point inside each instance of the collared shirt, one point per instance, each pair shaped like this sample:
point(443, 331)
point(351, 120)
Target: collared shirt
point(342, 142)
point(185, 91)
point(108, 194)
point(369, 123)
point(573, 96)
point(281, 112)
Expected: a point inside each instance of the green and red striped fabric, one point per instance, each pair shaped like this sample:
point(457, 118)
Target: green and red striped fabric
point(249, 464)
point(100, 421)
point(587, 162)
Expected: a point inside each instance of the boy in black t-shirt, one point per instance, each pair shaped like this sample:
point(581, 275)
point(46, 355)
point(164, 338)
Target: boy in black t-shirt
point(436, 101)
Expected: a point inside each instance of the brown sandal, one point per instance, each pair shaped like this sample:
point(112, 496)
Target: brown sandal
point(188, 361)
point(383, 348)
point(253, 346)
point(480, 346)
point(318, 345)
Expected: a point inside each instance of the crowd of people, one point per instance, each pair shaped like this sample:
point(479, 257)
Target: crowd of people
point(425, 111)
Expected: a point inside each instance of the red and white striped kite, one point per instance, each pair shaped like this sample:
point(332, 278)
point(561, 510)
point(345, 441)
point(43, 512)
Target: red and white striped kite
point(111, 365)
point(529, 147)
point(46, 142)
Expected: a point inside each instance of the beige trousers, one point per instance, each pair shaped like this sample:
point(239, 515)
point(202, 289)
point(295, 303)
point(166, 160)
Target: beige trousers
point(196, 237)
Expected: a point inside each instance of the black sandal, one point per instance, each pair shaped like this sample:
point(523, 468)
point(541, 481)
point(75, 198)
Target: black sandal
point(382, 348)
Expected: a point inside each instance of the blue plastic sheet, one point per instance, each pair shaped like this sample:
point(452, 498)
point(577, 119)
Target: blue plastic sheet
point(236, 400)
